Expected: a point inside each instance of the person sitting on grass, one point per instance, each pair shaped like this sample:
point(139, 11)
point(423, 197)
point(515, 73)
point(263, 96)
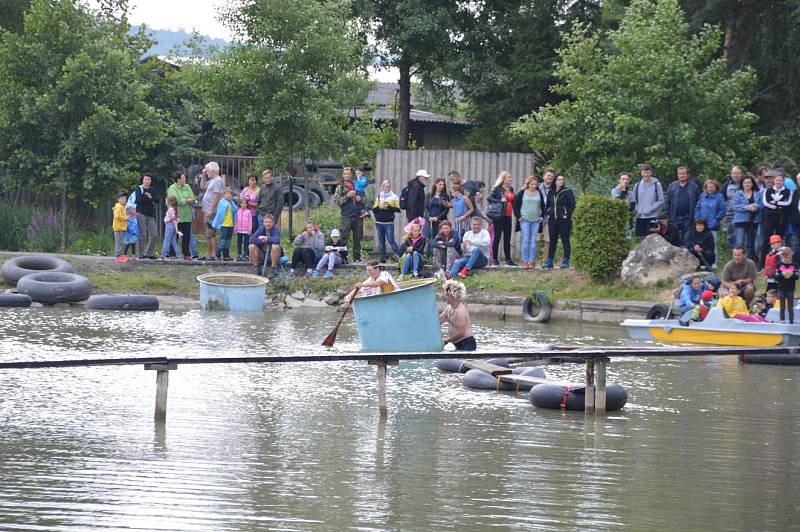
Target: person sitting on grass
point(475, 246)
point(414, 247)
point(456, 315)
point(446, 247)
point(786, 273)
point(379, 281)
point(310, 245)
point(334, 253)
point(265, 244)
point(701, 244)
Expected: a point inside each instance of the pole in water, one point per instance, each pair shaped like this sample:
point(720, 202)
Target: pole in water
point(588, 404)
point(382, 368)
point(162, 386)
point(600, 393)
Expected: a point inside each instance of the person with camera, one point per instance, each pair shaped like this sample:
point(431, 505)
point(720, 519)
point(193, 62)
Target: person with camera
point(334, 253)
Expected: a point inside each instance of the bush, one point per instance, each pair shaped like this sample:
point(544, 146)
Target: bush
point(99, 242)
point(600, 243)
point(14, 220)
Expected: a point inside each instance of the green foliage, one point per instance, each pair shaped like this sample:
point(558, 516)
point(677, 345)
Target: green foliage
point(92, 242)
point(281, 88)
point(599, 241)
point(659, 95)
point(43, 234)
point(14, 219)
point(72, 110)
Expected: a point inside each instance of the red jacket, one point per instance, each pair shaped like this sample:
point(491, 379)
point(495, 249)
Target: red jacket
point(770, 264)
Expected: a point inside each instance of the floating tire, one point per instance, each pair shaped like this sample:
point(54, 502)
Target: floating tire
point(451, 365)
point(122, 302)
point(778, 360)
point(15, 300)
point(299, 197)
point(476, 379)
point(537, 307)
point(558, 397)
point(498, 362)
point(18, 267)
point(55, 287)
point(659, 311)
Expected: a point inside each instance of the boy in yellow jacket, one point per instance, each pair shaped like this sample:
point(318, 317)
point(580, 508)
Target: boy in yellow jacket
point(120, 224)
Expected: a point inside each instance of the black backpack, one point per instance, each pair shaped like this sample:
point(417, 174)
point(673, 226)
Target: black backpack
point(404, 197)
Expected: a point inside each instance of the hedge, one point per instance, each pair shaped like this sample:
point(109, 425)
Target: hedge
point(600, 241)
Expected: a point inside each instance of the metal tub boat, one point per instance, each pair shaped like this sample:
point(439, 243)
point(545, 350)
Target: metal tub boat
point(403, 320)
point(716, 329)
point(238, 292)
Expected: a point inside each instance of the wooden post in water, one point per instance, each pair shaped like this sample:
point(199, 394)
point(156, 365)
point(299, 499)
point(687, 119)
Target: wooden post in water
point(162, 385)
point(382, 370)
point(600, 393)
point(588, 404)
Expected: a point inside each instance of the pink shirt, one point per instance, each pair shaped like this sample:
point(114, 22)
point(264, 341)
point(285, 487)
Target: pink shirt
point(171, 216)
point(252, 201)
point(244, 221)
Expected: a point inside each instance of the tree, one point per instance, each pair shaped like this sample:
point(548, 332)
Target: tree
point(13, 12)
point(72, 109)
point(658, 95)
point(281, 88)
point(503, 64)
point(416, 37)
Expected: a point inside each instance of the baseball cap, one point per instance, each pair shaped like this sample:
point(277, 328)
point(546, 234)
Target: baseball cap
point(334, 232)
point(775, 239)
point(422, 173)
point(122, 194)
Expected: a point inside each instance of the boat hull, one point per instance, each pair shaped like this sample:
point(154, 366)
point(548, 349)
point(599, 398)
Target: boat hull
point(401, 321)
point(715, 330)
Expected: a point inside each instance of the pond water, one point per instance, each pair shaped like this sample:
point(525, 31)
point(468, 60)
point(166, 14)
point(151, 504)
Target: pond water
point(704, 443)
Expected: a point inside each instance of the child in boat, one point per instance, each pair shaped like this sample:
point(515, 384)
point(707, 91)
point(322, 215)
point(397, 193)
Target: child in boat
point(785, 276)
point(771, 261)
point(733, 305)
point(700, 311)
point(770, 301)
point(378, 282)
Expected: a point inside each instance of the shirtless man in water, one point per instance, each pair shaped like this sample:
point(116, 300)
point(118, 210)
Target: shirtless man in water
point(459, 329)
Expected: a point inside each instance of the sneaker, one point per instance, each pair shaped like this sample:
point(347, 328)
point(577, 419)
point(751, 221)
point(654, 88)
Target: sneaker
point(493, 264)
point(464, 273)
point(511, 263)
point(309, 271)
point(314, 274)
point(328, 275)
point(396, 257)
point(227, 259)
point(415, 275)
point(547, 265)
point(195, 257)
point(564, 265)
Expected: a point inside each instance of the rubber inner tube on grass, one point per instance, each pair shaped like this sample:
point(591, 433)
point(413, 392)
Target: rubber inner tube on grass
point(55, 287)
point(15, 269)
point(658, 312)
point(122, 302)
point(15, 300)
point(537, 307)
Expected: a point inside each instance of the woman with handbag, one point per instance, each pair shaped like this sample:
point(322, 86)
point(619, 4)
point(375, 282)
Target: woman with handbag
point(500, 211)
point(560, 206)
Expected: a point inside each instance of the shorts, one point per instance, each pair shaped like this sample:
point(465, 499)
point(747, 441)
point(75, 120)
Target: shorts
point(643, 226)
point(210, 231)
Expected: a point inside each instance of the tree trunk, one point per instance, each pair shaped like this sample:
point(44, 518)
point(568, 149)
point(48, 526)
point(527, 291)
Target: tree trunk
point(404, 106)
point(64, 225)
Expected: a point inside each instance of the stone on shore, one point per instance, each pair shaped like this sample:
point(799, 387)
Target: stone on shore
point(314, 304)
point(292, 303)
point(654, 260)
point(298, 295)
point(333, 299)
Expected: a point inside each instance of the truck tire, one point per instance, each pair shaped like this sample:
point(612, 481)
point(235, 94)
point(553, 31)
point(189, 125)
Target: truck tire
point(299, 197)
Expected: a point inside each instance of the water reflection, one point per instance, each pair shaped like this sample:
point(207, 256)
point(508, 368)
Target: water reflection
point(702, 444)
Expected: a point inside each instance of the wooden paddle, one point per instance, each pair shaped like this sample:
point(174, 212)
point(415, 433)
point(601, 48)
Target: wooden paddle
point(331, 338)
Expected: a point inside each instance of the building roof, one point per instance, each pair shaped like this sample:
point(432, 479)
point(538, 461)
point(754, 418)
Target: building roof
point(384, 97)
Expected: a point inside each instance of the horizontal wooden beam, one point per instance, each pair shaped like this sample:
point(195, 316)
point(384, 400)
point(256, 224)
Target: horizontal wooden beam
point(393, 357)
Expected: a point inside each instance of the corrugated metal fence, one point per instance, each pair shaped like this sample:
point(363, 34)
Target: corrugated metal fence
point(399, 166)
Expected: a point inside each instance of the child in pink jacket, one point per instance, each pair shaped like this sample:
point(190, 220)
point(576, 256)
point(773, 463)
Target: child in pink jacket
point(242, 226)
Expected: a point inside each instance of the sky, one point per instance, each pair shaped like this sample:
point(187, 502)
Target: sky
point(200, 15)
